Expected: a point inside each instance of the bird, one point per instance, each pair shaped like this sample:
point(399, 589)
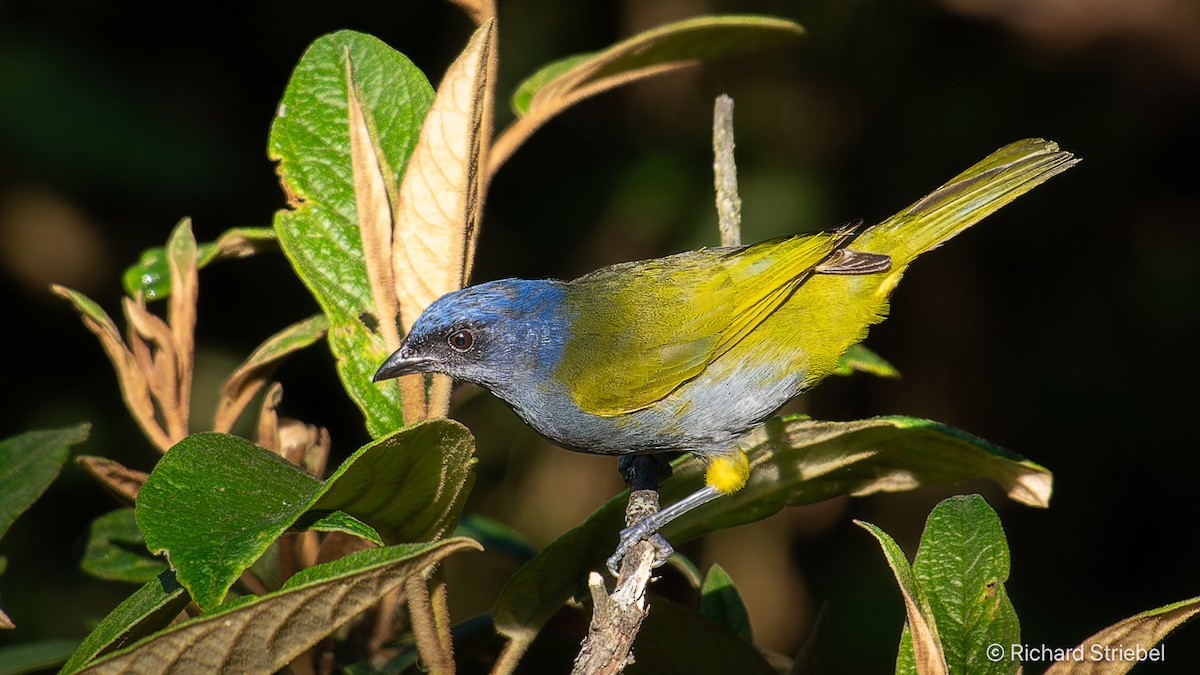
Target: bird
point(691, 351)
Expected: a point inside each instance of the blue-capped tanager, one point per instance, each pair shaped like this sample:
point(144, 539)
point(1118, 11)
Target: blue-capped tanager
point(691, 351)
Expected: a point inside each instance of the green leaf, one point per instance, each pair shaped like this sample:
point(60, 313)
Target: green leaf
point(263, 634)
point(151, 277)
point(860, 359)
point(319, 234)
point(675, 638)
point(925, 654)
point(721, 602)
point(523, 95)
point(568, 80)
point(340, 521)
point(214, 502)
point(35, 656)
point(794, 461)
point(147, 610)
point(29, 462)
point(116, 550)
point(961, 565)
point(495, 536)
point(1105, 652)
point(410, 486)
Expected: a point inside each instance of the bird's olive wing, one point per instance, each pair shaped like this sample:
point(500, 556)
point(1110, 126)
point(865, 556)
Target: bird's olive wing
point(640, 330)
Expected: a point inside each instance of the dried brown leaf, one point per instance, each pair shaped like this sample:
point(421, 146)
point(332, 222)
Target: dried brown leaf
point(441, 198)
point(442, 189)
point(134, 387)
point(154, 350)
point(267, 435)
point(118, 478)
point(374, 206)
point(5, 622)
point(181, 309)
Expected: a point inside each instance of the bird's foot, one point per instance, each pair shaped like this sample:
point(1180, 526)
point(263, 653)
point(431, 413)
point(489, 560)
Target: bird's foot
point(642, 530)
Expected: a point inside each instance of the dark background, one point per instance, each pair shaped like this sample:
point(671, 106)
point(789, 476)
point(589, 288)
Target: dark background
point(1060, 328)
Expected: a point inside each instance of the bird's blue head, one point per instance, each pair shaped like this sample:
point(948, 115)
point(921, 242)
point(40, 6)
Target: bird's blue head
point(490, 334)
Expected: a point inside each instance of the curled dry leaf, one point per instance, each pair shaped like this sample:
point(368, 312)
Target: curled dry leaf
point(441, 197)
point(135, 388)
point(118, 478)
point(566, 82)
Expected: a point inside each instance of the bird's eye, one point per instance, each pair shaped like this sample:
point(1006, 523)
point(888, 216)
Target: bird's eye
point(461, 340)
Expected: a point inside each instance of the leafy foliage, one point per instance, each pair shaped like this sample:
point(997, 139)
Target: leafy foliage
point(268, 555)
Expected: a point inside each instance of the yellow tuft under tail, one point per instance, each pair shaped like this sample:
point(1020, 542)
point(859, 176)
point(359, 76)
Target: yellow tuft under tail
point(728, 473)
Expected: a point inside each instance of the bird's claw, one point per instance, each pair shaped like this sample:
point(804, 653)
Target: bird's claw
point(641, 530)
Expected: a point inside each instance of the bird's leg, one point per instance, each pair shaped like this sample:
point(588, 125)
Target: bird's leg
point(725, 474)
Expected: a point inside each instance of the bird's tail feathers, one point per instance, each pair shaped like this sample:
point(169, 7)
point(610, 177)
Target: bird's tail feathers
point(966, 199)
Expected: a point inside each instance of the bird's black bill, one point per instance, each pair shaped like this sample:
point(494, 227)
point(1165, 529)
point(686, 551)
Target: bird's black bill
point(400, 363)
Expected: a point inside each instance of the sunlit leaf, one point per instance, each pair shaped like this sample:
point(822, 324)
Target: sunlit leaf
point(310, 138)
point(721, 602)
point(862, 360)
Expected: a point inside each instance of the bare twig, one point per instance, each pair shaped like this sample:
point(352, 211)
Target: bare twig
point(729, 205)
point(616, 618)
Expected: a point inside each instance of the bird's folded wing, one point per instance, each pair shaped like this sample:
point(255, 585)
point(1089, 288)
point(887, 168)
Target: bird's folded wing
point(642, 329)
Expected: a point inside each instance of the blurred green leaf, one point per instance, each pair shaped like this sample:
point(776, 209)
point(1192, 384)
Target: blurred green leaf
point(495, 536)
point(721, 603)
point(961, 565)
point(793, 461)
point(147, 610)
point(263, 634)
point(675, 638)
point(116, 551)
point(523, 95)
point(151, 277)
point(319, 233)
point(862, 360)
point(35, 656)
point(29, 462)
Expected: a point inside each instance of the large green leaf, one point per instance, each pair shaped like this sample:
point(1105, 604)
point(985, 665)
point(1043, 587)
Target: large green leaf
point(961, 565)
point(410, 486)
point(28, 464)
point(215, 502)
point(794, 461)
point(310, 139)
point(263, 634)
